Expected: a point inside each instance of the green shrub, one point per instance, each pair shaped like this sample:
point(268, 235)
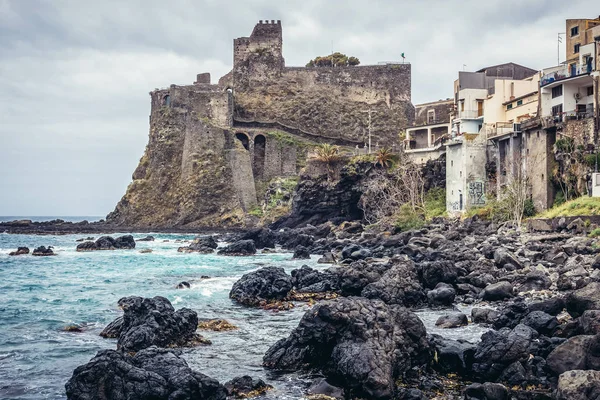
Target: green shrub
point(595, 233)
point(435, 203)
point(407, 219)
point(256, 211)
point(529, 209)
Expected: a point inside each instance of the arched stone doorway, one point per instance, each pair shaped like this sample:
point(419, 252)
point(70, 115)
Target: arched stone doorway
point(258, 166)
point(242, 137)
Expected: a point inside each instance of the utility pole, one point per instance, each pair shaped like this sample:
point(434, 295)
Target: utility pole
point(369, 111)
point(558, 48)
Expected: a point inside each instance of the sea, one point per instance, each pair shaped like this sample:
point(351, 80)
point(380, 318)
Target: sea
point(40, 296)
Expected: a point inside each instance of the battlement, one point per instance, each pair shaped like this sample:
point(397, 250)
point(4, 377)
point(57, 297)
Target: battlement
point(266, 28)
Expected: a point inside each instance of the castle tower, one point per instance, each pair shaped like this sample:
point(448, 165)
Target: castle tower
point(264, 45)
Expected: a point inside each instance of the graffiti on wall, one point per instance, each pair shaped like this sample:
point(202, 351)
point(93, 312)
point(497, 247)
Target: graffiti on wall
point(476, 193)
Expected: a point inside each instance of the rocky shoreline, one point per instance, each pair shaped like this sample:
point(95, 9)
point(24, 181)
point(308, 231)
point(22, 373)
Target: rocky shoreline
point(539, 294)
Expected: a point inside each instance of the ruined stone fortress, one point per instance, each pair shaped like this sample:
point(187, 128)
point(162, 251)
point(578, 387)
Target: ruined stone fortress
point(210, 145)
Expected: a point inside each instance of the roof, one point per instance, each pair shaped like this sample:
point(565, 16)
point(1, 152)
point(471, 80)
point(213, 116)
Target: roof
point(513, 65)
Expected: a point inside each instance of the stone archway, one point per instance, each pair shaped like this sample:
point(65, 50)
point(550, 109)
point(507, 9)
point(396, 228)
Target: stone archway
point(258, 165)
point(242, 137)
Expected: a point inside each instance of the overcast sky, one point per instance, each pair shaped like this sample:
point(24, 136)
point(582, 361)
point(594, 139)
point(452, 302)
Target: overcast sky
point(75, 74)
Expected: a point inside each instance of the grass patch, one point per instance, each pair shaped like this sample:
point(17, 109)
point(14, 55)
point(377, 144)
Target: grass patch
point(435, 203)
point(577, 207)
point(407, 219)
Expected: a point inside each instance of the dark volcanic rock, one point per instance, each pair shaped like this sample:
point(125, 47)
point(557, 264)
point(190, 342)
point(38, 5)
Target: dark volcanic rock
point(552, 306)
point(590, 322)
point(586, 298)
point(154, 322)
point(579, 385)
point(146, 239)
point(301, 253)
point(152, 373)
point(453, 356)
point(453, 320)
point(578, 352)
point(354, 277)
point(498, 291)
point(262, 237)
point(200, 244)
point(113, 330)
point(483, 315)
point(364, 345)
point(43, 251)
point(20, 251)
point(398, 285)
point(323, 388)
point(435, 272)
point(239, 248)
point(108, 243)
point(442, 295)
point(327, 258)
point(245, 386)
point(486, 391)
point(502, 257)
point(183, 285)
point(265, 284)
point(309, 280)
point(541, 322)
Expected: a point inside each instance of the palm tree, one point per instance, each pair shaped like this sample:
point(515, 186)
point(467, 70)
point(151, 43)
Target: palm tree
point(384, 157)
point(327, 154)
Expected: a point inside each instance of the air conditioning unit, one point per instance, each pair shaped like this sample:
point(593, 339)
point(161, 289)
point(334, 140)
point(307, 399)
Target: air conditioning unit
point(577, 96)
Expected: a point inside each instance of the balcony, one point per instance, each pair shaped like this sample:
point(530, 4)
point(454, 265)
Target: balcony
point(470, 114)
point(493, 131)
point(559, 118)
point(565, 73)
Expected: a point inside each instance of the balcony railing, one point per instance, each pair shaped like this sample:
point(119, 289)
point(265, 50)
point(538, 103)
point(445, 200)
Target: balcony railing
point(501, 128)
point(553, 120)
point(565, 73)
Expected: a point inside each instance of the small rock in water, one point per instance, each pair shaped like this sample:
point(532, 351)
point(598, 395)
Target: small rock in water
point(73, 328)
point(145, 251)
point(453, 320)
point(146, 239)
point(20, 251)
point(327, 258)
point(239, 248)
point(113, 330)
point(301, 253)
point(43, 251)
point(245, 386)
point(323, 388)
point(183, 285)
point(217, 325)
point(84, 239)
point(108, 243)
point(486, 391)
point(442, 295)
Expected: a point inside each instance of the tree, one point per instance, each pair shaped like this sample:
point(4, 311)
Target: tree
point(327, 154)
point(336, 59)
point(384, 157)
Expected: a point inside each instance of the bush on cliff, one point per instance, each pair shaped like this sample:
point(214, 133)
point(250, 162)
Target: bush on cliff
point(336, 59)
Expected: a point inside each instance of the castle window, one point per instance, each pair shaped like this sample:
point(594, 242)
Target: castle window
point(242, 137)
point(576, 48)
point(167, 101)
point(430, 116)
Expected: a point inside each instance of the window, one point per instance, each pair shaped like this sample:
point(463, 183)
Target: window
point(537, 134)
point(519, 102)
point(461, 174)
point(479, 108)
point(557, 91)
point(509, 106)
point(575, 31)
point(576, 48)
point(590, 91)
point(527, 151)
point(452, 163)
point(430, 116)
point(557, 110)
point(462, 105)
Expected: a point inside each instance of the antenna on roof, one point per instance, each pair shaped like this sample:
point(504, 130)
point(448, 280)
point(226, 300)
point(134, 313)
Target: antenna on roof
point(558, 48)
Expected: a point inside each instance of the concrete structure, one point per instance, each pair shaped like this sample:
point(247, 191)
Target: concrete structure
point(425, 140)
point(213, 148)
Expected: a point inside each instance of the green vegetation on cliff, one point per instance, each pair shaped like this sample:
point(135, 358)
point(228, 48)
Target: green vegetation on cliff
point(336, 59)
point(578, 207)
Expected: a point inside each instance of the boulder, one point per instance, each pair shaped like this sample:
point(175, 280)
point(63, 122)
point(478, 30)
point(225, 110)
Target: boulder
point(43, 251)
point(552, 306)
point(578, 352)
point(511, 314)
point(262, 237)
point(321, 387)
point(453, 320)
point(146, 239)
point(453, 356)
point(586, 298)
point(108, 243)
point(265, 284)
point(245, 386)
point(590, 322)
point(535, 280)
point(484, 315)
point(327, 258)
point(125, 242)
point(239, 248)
point(200, 244)
point(308, 280)
point(398, 285)
point(543, 323)
point(183, 285)
point(113, 330)
point(152, 373)
point(154, 322)
point(301, 253)
point(497, 291)
point(503, 256)
point(20, 251)
point(434, 272)
point(442, 295)
point(578, 385)
point(354, 277)
point(486, 391)
point(363, 345)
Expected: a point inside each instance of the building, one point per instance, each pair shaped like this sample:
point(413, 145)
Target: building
point(480, 99)
point(425, 139)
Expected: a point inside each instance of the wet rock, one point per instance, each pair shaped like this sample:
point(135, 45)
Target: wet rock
point(348, 250)
point(200, 244)
point(365, 345)
point(113, 330)
point(108, 243)
point(453, 356)
point(511, 314)
point(265, 284)
point(327, 258)
point(503, 256)
point(498, 291)
point(85, 239)
point(262, 237)
point(578, 352)
point(398, 285)
point(20, 251)
point(308, 280)
point(301, 253)
point(442, 295)
point(486, 391)
point(183, 285)
point(43, 251)
point(586, 298)
point(590, 322)
point(552, 306)
point(152, 373)
point(154, 322)
point(438, 271)
point(239, 248)
point(484, 315)
point(535, 280)
point(146, 239)
point(354, 277)
point(73, 328)
point(543, 323)
point(146, 251)
point(578, 385)
point(217, 325)
point(323, 388)
point(453, 320)
point(245, 386)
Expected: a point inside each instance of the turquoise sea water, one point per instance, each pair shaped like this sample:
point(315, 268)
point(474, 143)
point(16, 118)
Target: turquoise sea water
point(39, 296)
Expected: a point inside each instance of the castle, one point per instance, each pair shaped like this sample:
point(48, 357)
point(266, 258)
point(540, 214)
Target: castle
point(211, 145)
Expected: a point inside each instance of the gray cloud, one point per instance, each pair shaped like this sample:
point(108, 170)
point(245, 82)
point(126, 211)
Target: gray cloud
point(75, 74)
